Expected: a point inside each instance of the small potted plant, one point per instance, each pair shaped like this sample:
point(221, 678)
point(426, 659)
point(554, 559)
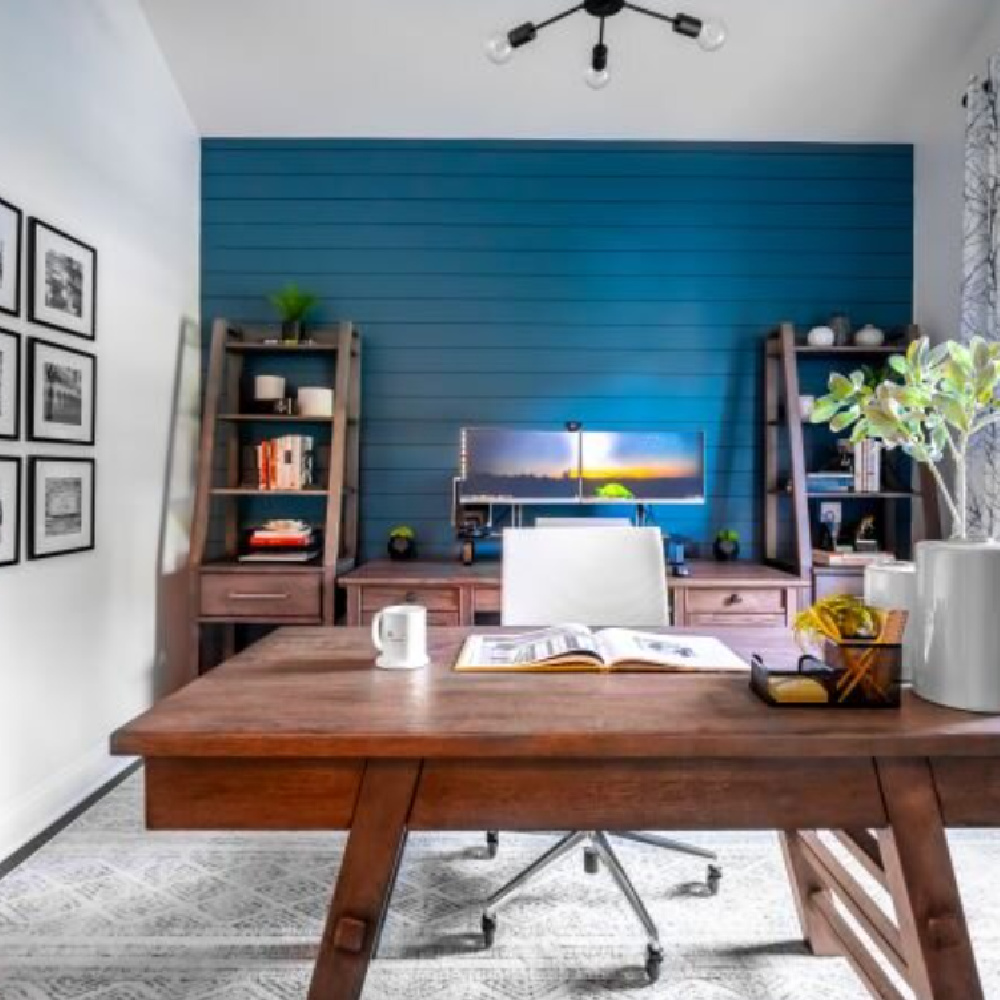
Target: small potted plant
point(946, 397)
point(727, 545)
point(292, 305)
point(402, 543)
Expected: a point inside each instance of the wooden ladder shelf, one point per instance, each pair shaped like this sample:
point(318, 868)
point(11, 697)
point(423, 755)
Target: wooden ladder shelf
point(785, 481)
point(226, 592)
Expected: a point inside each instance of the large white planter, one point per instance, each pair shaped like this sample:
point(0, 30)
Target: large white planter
point(958, 613)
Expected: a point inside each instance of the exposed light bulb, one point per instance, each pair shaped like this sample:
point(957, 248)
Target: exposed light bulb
point(713, 35)
point(499, 50)
point(597, 79)
point(597, 76)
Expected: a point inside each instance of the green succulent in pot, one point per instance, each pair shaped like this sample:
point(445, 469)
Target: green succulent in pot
point(726, 546)
point(402, 543)
point(293, 305)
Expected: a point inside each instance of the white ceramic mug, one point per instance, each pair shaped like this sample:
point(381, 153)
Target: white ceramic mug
point(400, 635)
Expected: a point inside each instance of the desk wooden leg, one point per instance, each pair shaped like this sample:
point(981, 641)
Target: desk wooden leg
point(361, 896)
point(805, 885)
point(935, 937)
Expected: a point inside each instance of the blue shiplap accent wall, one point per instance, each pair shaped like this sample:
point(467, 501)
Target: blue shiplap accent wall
point(626, 285)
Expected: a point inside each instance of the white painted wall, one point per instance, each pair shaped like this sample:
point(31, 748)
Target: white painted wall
point(939, 173)
point(94, 138)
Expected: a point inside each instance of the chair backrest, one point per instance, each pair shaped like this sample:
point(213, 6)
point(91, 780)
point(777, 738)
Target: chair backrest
point(589, 576)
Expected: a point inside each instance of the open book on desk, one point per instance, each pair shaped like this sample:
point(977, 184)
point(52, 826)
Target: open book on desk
point(576, 648)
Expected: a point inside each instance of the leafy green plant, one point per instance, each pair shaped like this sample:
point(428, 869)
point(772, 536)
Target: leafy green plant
point(728, 535)
point(292, 303)
point(945, 397)
point(615, 491)
point(402, 531)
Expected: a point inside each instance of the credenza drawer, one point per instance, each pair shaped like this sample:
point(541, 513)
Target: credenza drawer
point(446, 618)
point(761, 620)
point(246, 594)
point(487, 600)
point(735, 601)
point(432, 598)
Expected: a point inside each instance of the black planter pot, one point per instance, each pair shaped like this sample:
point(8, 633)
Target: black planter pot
point(726, 551)
point(402, 549)
point(291, 331)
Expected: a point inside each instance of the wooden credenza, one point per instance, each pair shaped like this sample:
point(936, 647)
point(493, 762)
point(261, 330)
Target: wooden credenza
point(714, 594)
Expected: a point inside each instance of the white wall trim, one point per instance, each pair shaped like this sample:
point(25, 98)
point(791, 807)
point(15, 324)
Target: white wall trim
point(32, 813)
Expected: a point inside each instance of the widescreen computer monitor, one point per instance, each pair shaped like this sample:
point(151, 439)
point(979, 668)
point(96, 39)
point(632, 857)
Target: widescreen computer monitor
point(504, 465)
point(640, 467)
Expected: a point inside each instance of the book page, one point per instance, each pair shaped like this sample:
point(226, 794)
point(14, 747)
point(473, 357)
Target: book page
point(679, 652)
point(522, 650)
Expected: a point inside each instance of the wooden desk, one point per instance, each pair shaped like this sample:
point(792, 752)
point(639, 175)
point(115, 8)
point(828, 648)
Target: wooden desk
point(301, 732)
point(714, 594)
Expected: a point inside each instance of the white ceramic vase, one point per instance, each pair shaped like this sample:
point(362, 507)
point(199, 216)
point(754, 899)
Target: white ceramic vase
point(958, 648)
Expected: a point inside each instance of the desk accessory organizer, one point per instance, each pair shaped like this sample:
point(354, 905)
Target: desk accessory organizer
point(861, 665)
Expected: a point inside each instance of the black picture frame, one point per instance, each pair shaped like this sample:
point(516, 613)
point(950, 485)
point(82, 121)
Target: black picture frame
point(35, 275)
point(16, 338)
point(19, 483)
point(35, 462)
point(14, 210)
point(33, 432)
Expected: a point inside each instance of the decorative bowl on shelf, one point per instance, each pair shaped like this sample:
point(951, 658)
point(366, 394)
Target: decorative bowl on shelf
point(821, 336)
point(869, 336)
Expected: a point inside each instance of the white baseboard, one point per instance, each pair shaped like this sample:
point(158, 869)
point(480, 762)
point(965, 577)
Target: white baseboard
point(32, 813)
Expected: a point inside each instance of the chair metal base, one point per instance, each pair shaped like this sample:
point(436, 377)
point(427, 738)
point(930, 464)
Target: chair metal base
point(598, 848)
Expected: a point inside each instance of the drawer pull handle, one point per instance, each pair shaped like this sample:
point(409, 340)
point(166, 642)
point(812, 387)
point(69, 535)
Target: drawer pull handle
point(258, 597)
point(734, 599)
point(410, 597)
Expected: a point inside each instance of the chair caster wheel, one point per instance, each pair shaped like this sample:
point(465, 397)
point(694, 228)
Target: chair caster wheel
point(489, 930)
point(591, 862)
point(713, 879)
point(492, 844)
point(654, 959)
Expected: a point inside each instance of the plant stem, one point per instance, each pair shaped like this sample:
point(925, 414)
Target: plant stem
point(939, 479)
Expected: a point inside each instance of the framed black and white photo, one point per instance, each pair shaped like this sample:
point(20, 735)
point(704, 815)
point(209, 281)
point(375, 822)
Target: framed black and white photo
point(10, 511)
point(10, 258)
point(10, 385)
point(62, 281)
point(62, 393)
point(61, 494)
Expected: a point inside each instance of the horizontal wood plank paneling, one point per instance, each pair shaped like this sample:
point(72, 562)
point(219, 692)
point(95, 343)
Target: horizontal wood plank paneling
point(627, 285)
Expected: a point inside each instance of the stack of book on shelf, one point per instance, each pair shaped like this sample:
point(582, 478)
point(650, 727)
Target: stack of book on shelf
point(286, 463)
point(828, 482)
point(868, 467)
point(282, 542)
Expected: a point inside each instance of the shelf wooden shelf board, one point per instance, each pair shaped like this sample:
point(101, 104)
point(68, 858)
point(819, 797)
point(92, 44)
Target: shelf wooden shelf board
point(274, 418)
point(250, 491)
point(854, 495)
point(852, 349)
point(249, 347)
point(228, 565)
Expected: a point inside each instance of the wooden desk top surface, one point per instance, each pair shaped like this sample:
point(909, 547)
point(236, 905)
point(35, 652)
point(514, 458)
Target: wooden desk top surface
point(314, 692)
point(488, 572)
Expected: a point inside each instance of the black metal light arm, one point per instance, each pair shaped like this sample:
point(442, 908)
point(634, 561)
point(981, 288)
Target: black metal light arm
point(528, 31)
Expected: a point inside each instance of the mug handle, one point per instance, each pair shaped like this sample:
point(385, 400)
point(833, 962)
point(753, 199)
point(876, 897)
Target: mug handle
point(377, 631)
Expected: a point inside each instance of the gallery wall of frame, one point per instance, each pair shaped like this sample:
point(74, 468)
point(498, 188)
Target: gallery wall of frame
point(50, 498)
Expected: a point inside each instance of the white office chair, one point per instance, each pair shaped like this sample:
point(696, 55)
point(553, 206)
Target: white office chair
point(589, 576)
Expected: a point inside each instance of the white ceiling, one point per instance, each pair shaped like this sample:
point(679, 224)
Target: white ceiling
point(793, 69)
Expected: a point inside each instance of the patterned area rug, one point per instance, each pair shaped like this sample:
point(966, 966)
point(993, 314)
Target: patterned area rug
point(109, 912)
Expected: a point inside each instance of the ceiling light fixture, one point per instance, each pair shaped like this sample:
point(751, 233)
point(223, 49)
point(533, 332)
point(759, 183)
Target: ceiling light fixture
point(710, 35)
